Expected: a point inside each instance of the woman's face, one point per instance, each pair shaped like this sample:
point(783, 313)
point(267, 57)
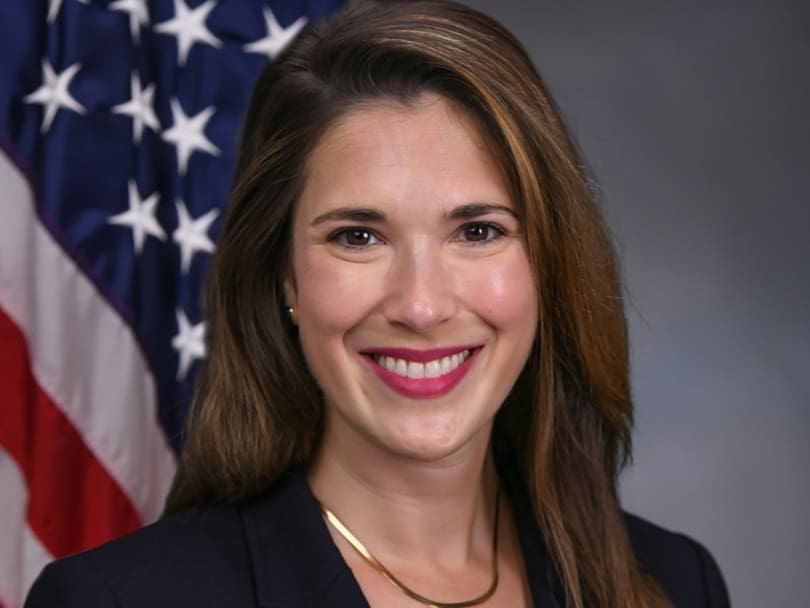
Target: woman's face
point(414, 297)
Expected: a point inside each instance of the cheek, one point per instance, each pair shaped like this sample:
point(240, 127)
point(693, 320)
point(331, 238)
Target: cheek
point(333, 294)
point(504, 291)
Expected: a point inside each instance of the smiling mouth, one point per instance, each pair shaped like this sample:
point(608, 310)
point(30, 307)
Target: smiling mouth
point(417, 370)
point(422, 374)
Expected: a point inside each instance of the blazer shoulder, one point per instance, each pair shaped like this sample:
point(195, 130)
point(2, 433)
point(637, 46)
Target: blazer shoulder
point(683, 567)
point(198, 557)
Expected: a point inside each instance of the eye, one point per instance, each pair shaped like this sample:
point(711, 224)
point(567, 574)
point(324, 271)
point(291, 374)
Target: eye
point(480, 233)
point(354, 238)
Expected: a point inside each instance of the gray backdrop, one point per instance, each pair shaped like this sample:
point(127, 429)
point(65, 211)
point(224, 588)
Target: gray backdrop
point(693, 117)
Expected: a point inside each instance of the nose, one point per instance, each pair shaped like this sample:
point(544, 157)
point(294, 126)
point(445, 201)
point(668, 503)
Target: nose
point(420, 291)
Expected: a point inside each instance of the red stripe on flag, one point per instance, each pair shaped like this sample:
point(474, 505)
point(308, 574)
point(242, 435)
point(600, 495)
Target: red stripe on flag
point(74, 504)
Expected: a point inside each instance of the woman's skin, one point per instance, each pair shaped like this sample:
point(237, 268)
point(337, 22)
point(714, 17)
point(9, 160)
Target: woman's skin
point(406, 246)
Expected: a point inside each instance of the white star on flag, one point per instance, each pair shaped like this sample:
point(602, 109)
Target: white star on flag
point(192, 234)
point(189, 27)
point(277, 37)
point(53, 93)
point(139, 107)
point(53, 9)
point(138, 15)
point(140, 217)
point(189, 342)
point(188, 134)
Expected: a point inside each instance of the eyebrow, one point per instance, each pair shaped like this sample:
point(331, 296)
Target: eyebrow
point(354, 214)
point(365, 214)
point(473, 210)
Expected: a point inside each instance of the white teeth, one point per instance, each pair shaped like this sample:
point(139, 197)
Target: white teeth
point(400, 368)
point(430, 369)
point(416, 370)
point(447, 365)
point(433, 369)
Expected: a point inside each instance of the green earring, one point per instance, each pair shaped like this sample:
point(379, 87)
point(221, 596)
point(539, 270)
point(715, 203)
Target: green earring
point(290, 315)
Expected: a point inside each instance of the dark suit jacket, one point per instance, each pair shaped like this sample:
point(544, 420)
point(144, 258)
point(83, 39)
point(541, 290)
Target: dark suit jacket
point(276, 552)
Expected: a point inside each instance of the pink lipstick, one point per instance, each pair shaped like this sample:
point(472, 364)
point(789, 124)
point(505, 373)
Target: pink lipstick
point(421, 374)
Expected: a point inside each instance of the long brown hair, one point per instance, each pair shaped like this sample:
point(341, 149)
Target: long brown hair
point(257, 410)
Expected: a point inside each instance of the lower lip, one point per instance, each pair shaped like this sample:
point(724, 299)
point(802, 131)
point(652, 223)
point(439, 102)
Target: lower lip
point(423, 388)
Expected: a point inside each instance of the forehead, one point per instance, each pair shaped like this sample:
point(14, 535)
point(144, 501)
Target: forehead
point(387, 151)
point(428, 111)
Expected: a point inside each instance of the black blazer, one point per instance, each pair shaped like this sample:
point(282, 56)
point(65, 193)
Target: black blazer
point(276, 552)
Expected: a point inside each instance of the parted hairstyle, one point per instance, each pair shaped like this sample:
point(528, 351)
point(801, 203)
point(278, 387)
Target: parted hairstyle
point(258, 411)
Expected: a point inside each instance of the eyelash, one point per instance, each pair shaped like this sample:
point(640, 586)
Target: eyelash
point(499, 231)
point(339, 236)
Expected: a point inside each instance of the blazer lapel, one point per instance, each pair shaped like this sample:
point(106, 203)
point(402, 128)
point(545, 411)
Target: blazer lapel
point(295, 562)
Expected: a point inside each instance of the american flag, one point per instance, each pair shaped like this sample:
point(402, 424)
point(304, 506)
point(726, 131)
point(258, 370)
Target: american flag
point(118, 128)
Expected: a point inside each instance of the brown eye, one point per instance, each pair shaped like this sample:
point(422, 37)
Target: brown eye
point(476, 232)
point(480, 233)
point(355, 238)
point(358, 238)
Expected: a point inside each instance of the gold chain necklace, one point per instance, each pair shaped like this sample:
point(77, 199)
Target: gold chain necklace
point(374, 562)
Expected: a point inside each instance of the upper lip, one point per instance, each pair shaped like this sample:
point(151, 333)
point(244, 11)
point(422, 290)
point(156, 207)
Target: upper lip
point(417, 356)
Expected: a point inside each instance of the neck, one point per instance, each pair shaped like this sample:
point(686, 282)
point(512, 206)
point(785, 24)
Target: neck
point(440, 511)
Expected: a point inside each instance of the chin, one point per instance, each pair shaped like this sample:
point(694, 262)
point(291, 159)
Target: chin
point(435, 444)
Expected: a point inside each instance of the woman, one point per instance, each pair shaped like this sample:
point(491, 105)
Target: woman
point(417, 385)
